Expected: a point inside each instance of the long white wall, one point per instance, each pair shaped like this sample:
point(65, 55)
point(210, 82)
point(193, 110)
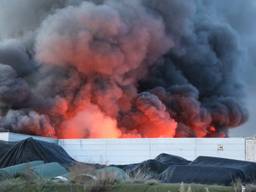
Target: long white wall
point(7, 136)
point(123, 151)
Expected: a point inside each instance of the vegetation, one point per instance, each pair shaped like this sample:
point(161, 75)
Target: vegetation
point(85, 179)
point(22, 185)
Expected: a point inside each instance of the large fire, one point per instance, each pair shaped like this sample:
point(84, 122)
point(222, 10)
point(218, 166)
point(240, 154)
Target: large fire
point(121, 69)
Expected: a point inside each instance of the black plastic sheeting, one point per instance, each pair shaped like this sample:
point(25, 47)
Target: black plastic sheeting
point(247, 168)
point(13, 153)
point(203, 170)
point(151, 169)
point(201, 175)
point(168, 160)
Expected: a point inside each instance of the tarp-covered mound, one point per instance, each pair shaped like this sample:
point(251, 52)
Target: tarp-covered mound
point(211, 170)
point(201, 174)
point(247, 168)
point(168, 159)
point(204, 170)
point(13, 153)
point(151, 169)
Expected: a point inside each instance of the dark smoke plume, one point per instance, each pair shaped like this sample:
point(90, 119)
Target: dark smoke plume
point(116, 69)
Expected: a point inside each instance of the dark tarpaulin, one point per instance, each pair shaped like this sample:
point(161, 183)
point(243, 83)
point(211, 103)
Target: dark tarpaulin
point(5, 147)
point(13, 153)
point(248, 168)
point(201, 175)
point(150, 169)
point(168, 159)
point(204, 170)
point(211, 170)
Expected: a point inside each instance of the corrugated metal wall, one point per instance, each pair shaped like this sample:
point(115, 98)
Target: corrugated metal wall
point(123, 151)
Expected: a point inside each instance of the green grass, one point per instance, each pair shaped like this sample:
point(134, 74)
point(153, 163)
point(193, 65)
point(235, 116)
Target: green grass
point(169, 188)
point(20, 185)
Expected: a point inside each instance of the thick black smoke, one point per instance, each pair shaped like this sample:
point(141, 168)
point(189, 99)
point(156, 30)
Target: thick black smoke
point(140, 68)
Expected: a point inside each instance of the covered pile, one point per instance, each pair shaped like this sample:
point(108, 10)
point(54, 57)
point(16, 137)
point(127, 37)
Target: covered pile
point(13, 153)
point(45, 157)
point(203, 170)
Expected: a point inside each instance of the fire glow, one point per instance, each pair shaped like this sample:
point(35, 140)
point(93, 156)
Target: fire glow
point(125, 69)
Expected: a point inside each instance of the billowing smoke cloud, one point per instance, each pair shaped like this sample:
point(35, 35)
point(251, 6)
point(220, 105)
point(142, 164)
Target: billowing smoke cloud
point(14, 91)
point(18, 56)
point(28, 122)
point(113, 39)
point(243, 22)
point(22, 18)
point(118, 69)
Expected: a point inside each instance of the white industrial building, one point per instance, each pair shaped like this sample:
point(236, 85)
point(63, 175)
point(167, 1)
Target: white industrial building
point(125, 151)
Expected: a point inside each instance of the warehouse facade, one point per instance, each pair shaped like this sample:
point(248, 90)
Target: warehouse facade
point(126, 151)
